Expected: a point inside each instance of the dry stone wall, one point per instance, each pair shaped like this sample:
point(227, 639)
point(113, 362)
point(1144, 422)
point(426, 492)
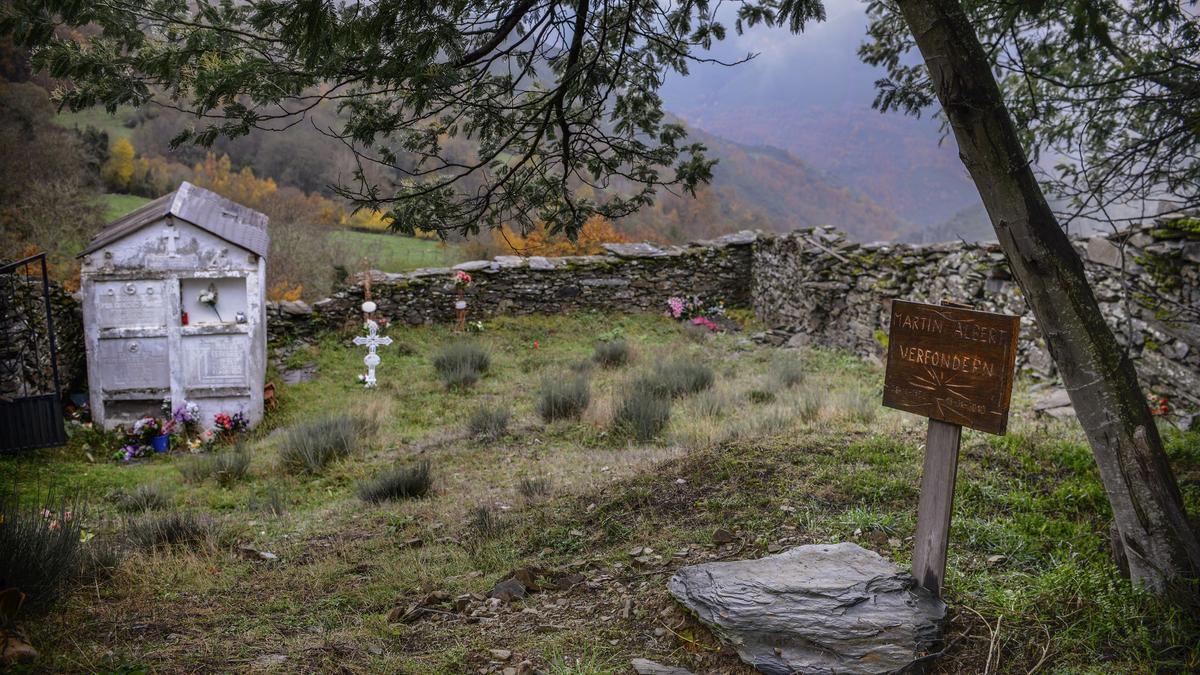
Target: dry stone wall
point(628, 278)
point(827, 290)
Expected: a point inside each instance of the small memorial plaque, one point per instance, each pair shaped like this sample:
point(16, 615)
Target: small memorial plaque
point(216, 360)
point(130, 304)
point(951, 364)
point(134, 364)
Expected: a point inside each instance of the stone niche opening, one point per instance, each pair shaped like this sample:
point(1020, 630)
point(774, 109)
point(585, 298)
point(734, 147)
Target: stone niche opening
point(230, 306)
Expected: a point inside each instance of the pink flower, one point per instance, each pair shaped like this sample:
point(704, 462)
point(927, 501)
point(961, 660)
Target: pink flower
point(675, 305)
point(462, 279)
point(702, 321)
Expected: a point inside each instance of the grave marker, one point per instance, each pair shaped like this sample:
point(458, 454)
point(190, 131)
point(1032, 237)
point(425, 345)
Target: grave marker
point(954, 366)
point(173, 309)
point(372, 340)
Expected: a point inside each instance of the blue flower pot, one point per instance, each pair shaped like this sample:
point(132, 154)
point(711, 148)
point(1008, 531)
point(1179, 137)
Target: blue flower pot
point(160, 443)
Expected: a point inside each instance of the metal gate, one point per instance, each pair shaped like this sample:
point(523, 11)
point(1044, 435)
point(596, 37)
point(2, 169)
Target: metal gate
point(30, 395)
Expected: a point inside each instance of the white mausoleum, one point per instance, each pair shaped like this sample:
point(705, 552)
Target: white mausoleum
point(173, 307)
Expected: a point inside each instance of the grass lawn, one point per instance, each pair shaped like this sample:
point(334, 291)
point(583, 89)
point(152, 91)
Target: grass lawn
point(117, 205)
point(395, 253)
point(776, 463)
point(97, 117)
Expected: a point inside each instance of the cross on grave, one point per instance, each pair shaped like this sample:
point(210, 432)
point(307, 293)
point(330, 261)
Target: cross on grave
point(171, 234)
point(372, 340)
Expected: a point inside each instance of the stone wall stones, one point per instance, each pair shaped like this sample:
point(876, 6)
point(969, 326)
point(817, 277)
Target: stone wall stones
point(25, 356)
point(628, 278)
point(829, 291)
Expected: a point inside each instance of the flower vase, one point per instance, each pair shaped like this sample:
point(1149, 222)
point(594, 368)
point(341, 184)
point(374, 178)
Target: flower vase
point(161, 442)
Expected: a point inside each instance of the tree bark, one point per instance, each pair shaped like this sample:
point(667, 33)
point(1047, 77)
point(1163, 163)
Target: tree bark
point(1162, 550)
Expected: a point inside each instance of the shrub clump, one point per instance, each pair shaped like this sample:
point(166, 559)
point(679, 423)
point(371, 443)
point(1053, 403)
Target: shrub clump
point(461, 364)
point(642, 414)
point(397, 483)
point(533, 487)
point(489, 422)
point(763, 395)
point(809, 403)
point(310, 447)
point(226, 467)
point(40, 550)
point(174, 529)
point(787, 371)
point(859, 406)
point(141, 498)
point(484, 522)
point(675, 378)
point(564, 398)
point(612, 353)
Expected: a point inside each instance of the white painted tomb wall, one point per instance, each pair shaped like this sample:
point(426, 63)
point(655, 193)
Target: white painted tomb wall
point(135, 290)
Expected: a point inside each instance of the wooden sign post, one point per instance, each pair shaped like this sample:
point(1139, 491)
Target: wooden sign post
point(954, 366)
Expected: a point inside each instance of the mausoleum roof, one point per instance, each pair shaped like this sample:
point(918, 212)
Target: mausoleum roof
point(205, 209)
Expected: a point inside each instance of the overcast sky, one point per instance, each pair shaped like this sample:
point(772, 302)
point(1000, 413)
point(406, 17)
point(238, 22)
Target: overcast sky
point(817, 67)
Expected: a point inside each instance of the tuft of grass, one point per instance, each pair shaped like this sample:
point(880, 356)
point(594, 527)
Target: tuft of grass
point(583, 366)
point(612, 354)
point(809, 403)
point(484, 523)
point(859, 405)
point(400, 483)
point(226, 467)
point(489, 422)
point(787, 371)
point(98, 559)
point(461, 364)
point(310, 447)
point(141, 498)
point(531, 488)
point(174, 529)
point(273, 502)
point(768, 422)
point(39, 546)
point(712, 403)
point(642, 414)
point(678, 377)
point(563, 398)
point(761, 395)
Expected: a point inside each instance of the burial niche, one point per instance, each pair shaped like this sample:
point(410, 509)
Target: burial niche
point(173, 305)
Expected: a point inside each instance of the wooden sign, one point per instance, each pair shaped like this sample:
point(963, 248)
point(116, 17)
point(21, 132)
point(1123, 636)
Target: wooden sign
point(954, 366)
point(951, 364)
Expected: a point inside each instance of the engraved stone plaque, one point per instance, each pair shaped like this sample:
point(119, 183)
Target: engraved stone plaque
point(135, 363)
point(216, 360)
point(130, 304)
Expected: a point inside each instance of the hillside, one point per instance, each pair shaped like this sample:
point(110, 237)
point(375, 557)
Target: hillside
point(898, 162)
point(765, 187)
point(754, 186)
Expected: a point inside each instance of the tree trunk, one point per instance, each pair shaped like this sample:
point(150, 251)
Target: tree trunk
point(1161, 548)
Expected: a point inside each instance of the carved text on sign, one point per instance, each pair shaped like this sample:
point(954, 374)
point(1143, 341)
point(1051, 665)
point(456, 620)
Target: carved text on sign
point(951, 364)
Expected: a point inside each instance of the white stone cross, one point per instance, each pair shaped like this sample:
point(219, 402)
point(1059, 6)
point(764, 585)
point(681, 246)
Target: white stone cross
point(372, 340)
point(172, 235)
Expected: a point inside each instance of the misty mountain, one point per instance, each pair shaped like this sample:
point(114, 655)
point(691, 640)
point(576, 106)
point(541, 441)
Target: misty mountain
point(767, 188)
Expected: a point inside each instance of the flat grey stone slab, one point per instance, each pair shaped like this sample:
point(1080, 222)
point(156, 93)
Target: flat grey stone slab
point(821, 608)
point(473, 265)
point(642, 250)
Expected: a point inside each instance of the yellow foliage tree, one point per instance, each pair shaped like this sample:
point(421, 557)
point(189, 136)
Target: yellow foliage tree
point(118, 170)
point(596, 231)
point(243, 186)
